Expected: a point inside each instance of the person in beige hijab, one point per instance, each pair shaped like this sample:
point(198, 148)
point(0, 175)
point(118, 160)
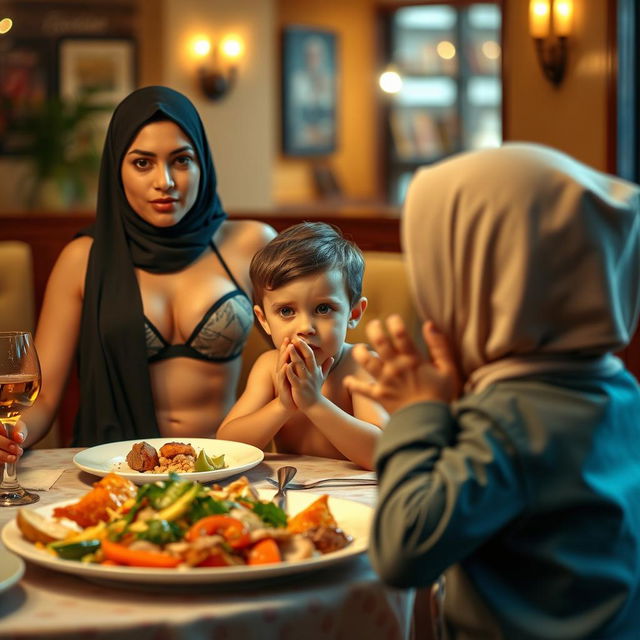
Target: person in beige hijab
point(511, 461)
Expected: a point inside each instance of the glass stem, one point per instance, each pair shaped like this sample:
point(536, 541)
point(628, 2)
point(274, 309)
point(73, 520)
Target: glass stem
point(10, 474)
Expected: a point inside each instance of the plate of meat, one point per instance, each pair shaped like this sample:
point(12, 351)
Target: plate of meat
point(144, 461)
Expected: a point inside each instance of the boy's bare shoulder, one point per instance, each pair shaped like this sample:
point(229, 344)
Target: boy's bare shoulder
point(266, 360)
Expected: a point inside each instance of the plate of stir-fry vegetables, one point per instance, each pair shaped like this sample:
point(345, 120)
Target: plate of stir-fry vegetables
point(180, 531)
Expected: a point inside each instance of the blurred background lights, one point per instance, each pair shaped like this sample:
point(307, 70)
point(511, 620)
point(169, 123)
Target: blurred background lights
point(5, 25)
point(491, 49)
point(390, 82)
point(231, 47)
point(201, 47)
point(446, 49)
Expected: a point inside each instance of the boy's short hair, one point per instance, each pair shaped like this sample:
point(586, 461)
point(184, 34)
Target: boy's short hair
point(302, 250)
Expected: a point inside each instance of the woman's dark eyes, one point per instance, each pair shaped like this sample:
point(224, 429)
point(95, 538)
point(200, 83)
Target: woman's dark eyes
point(181, 161)
point(184, 160)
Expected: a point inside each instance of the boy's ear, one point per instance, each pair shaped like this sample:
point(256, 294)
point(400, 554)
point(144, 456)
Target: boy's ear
point(257, 309)
point(357, 311)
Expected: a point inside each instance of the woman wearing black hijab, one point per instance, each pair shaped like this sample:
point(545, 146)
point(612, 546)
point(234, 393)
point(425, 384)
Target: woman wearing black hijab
point(154, 298)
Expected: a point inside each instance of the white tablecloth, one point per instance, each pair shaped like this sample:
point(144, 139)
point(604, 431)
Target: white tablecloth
point(346, 601)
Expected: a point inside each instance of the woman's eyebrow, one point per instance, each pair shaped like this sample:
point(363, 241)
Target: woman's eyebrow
point(150, 154)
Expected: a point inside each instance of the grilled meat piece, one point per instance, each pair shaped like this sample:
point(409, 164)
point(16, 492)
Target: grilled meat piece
point(327, 539)
point(172, 449)
point(142, 457)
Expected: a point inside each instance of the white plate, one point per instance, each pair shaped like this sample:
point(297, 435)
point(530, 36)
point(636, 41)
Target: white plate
point(11, 569)
point(112, 458)
point(354, 518)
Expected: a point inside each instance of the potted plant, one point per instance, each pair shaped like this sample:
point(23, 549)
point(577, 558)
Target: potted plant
point(61, 137)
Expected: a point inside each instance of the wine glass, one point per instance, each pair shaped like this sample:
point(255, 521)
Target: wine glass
point(19, 388)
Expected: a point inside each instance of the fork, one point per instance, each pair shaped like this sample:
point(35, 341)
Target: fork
point(285, 475)
point(327, 482)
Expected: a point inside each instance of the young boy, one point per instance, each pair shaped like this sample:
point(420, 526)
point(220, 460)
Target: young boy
point(307, 285)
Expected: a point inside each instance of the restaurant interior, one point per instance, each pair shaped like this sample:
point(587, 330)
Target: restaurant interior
point(314, 110)
point(408, 83)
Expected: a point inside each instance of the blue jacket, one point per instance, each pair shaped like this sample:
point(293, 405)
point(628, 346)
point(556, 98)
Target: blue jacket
point(529, 494)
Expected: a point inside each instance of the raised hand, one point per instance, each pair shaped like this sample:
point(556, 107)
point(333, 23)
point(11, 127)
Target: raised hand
point(402, 375)
point(305, 375)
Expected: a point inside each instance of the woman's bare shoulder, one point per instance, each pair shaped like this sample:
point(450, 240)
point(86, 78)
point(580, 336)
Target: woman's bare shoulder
point(247, 236)
point(75, 255)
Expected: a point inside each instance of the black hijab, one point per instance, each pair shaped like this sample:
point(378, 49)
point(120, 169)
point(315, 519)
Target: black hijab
point(116, 402)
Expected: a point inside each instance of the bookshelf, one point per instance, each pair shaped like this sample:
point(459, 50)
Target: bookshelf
point(448, 56)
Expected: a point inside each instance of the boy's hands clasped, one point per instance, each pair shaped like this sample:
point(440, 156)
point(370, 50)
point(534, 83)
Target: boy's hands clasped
point(402, 375)
point(299, 377)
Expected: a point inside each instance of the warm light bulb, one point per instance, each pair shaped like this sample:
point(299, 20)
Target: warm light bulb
point(446, 49)
point(201, 47)
point(539, 18)
point(562, 13)
point(5, 25)
point(231, 47)
point(390, 82)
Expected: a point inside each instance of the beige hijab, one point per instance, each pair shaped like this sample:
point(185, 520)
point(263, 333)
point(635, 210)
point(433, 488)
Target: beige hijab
point(528, 260)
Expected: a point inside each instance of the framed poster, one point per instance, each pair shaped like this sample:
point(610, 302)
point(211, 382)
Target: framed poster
point(104, 67)
point(26, 82)
point(309, 91)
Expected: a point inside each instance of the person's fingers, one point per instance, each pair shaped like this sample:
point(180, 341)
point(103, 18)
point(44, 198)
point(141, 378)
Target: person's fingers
point(440, 350)
point(362, 387)
point(380, 340)
point(282, 354)
point(290, 372)
point(296, 361)
point(326, 366)
point(400, 338)
point(305, 352)
point(369, 361)
point(20, 432)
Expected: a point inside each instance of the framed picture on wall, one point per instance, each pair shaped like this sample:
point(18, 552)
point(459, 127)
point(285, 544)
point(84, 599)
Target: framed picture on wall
point(27, 80)
point(104, 67)
point(309, 91)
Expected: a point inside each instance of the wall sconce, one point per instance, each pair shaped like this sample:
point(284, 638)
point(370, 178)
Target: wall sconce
point(552, 53)
point(219, 69)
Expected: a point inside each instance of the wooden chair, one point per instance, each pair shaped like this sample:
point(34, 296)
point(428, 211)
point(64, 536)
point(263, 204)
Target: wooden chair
point(17, 302)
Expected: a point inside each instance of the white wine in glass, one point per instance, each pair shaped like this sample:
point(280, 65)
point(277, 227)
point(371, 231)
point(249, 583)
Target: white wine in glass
point(19, 388)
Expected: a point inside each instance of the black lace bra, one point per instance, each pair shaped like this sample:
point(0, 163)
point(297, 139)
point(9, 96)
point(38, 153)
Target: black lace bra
point(220, 335)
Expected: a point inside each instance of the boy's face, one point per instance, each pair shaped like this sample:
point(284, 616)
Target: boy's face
point(314, 308)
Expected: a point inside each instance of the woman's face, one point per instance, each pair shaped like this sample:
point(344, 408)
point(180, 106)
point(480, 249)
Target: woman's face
point(160, 173)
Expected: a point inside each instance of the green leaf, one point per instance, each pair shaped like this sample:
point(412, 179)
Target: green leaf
point(268, 512)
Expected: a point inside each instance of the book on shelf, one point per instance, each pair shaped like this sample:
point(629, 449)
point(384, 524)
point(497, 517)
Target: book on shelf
point(402, 135)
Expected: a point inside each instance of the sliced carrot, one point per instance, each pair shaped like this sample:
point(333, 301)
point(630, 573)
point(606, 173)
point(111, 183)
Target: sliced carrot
point(120, 554)
point(264, 552)
point(231, 529)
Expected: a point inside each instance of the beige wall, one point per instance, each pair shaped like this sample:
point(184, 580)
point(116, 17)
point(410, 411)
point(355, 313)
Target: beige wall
point(355, 160)
point(574, 116)
point(241, 126)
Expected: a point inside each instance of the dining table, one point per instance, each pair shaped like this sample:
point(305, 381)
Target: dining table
point(345, 600)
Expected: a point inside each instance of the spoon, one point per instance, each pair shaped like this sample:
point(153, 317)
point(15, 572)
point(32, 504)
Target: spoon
point(285, 475)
